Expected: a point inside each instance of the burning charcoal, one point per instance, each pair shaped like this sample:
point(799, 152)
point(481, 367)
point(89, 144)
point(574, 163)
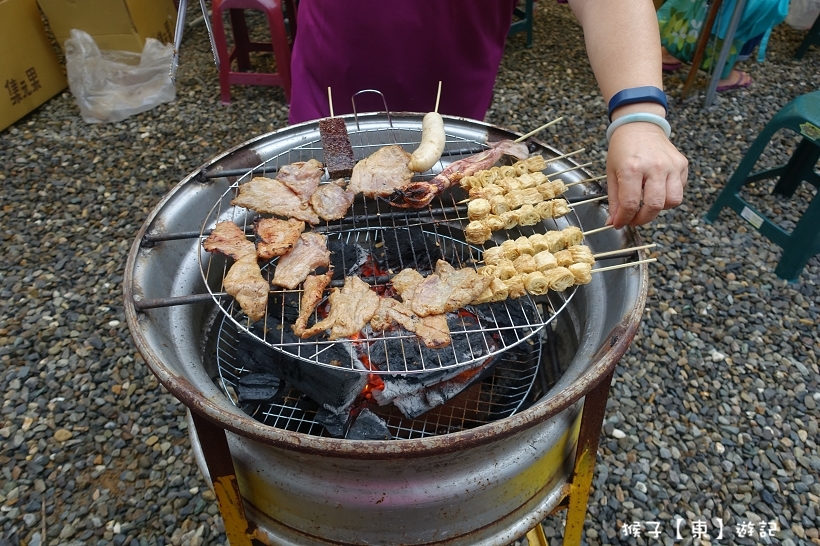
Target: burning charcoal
point(345, 258)
point(368, 426)
point(332, 389)
point(334, 424)
point(258, 387)
point(408, 248)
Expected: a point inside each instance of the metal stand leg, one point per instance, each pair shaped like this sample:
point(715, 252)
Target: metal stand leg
point(591, 423)
point(223, 476)
point(536, 536)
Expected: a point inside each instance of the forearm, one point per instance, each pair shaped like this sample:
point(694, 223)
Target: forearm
point(623, 45)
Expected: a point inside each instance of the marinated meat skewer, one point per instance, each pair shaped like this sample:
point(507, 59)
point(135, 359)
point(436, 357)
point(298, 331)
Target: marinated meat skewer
point(419, 194)
point(309, 253)
point(314, 286)
point(227, 238)
point(381, 172)
point(432, 330)
point(448, 289)
point(302, 178)
point(276, 237)
point(351, 308)
point(332, 200)
point(244, 282)
point(270, 196)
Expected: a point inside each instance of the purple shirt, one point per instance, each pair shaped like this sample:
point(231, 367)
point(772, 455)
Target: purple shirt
point(402, 48)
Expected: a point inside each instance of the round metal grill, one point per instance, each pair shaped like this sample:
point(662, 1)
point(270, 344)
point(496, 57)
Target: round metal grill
point(374, 232)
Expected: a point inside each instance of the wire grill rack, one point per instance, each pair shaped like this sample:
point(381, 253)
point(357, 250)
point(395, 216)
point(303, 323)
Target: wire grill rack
point(372, 224)
point(499, 395)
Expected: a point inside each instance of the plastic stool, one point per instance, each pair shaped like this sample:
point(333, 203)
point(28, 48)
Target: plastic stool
point(802, 115)
point(812, 38)
point(243, 45)
point(524, 21)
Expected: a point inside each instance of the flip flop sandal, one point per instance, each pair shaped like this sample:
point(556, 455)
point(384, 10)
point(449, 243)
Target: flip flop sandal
point(744, 81)
point(671, 67)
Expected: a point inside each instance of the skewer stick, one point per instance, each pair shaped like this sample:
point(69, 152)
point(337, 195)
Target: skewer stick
point(575, 168)
point(623, 250)
point(569, 154)
point(621, 266)
point(438, 95)
point(528, 135)
point(585, 181)
point(598, 230)
point(587, 201)
point(330, 101)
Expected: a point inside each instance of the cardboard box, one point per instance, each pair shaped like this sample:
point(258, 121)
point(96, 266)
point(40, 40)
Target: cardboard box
point(29, 70)
point(118, 25)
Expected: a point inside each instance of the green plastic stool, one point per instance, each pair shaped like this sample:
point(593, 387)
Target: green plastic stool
point(802, 115)
point(812, 38)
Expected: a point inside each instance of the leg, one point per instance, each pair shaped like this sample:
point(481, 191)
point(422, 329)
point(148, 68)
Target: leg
point(223, 477)
point(241, 40)
point(803, 243)
point(799, 168)
point(813, 37)
point(591, 424)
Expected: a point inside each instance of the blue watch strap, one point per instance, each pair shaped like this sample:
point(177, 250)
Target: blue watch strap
point(632, 95)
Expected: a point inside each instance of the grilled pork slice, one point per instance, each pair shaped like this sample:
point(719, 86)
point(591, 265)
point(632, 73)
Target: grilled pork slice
point(227, 238)
point(433, 330)
point(309, 252)
point(276, 237)
point(271, 196)
point(382, 172)
point(244, 282)
point(351, 308)
point(448, 289)
point(313, 288)
point(331, 201)
point(302, 178)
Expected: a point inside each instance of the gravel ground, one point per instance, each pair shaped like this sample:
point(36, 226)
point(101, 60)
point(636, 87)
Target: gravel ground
point(713, 411)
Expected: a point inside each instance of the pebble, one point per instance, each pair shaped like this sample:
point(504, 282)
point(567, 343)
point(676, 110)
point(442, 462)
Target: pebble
point(715, 396)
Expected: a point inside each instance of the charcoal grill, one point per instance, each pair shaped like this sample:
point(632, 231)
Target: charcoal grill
point(484, 484)
point(373, 224)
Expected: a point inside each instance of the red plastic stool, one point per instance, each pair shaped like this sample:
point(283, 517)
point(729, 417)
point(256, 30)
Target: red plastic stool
point(243, 45)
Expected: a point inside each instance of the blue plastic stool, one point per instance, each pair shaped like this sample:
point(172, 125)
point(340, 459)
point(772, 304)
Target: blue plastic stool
point(802, 115)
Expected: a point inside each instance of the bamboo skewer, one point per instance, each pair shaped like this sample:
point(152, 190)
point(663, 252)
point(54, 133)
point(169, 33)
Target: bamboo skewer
point(598, 230)
point(569, 154)
point(621, 266)
point(575, 168)
point(587, 201)
point(536, 131)
point(330, 101)
point(623, 251)
point(585, 181)
point(438, 96)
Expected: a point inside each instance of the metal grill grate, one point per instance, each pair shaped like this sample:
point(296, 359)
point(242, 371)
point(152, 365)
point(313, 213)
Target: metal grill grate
point(372, 224)
point(498, 396)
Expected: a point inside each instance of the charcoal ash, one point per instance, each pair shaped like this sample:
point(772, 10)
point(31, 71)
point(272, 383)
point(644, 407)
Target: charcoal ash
point(410, 248)
point(419, 402)
point(345, 258)
point(365, 426)
point(258, 387)
point(334, 423)
point(368, 426)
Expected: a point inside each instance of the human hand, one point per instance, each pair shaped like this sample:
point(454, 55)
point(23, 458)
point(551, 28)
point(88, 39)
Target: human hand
point(645, 174)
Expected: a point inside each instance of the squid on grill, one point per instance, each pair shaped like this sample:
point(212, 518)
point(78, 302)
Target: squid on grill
point(419, 194)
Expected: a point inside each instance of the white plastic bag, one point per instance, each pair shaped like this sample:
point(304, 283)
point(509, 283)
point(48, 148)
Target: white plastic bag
point(112, 85)
point(802, 13)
